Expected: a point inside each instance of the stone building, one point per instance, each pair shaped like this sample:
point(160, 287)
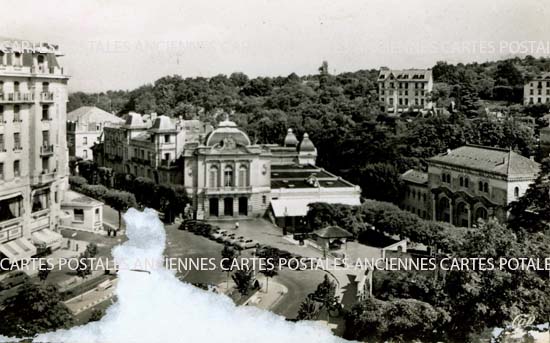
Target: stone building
point(537, 90)
point(33, 146)
point(85, 127)
point(405, 90)
point(472, 182)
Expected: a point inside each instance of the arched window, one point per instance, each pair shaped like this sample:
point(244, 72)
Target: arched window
point(481, 213)
point(243, 176)
point(516, 192)
point(486, 187)
point(213, 177)
point(480, 186)
point(461, 181)
point(228, 176)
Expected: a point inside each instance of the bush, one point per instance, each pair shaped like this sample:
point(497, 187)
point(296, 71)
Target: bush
point(77, 181)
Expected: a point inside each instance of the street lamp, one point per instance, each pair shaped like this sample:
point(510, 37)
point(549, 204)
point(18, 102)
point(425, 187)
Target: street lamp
point(284, 224)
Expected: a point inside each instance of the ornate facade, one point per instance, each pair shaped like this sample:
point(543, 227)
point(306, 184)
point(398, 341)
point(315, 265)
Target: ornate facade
point(474, 182)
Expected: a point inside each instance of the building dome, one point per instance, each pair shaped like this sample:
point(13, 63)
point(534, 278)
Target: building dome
point(290, 139)
point(227, 129)
point(306, 145)
point(163, 123)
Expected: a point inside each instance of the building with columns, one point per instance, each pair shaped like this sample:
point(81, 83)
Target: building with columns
point(33, 146)
point(474, 182)
point(225, 174)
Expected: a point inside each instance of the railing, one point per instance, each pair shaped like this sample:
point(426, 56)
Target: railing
point(228, 189)
point(46, 150)
point(46, 97)
point(46, 177)
point(16, 97)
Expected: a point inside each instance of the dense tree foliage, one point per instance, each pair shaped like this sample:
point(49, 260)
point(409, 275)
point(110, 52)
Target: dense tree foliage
point(342, 114)
point(34, 309)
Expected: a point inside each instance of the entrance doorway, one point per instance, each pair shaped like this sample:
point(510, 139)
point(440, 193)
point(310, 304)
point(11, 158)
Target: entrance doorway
point(243, 206)
point(213, 206)
point(228, 207)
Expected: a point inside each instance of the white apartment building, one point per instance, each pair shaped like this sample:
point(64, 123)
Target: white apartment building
point(537, 90)
point(405, 90)
point(33, 148)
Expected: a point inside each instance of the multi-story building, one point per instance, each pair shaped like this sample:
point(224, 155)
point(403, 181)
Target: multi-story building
point(537, 90)
point(33, 148)
point(85, 127)
point(470, 182)
point(405, 90)
point(224, 173)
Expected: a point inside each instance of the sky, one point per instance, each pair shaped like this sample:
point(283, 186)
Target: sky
point(123, 44)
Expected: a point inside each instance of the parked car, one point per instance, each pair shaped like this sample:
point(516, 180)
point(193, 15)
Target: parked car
point(187, 224)
point(203, 229)
point(228, 238)
point(247, 244)
point(215, 234)
point(13, 280)
point(235, 240)
point(222, 237)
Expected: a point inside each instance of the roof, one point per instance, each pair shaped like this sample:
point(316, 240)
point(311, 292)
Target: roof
point(503, 162)
point(92, 114)
point(415, 176)
point(73, 198)
point(163, 123)
point(332, 232)
point(227, 129)
point(298, 207)
point(134, 119)
point(405, 74)
point(541, 76)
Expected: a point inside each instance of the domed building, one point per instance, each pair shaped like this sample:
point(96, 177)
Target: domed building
point(224, 173)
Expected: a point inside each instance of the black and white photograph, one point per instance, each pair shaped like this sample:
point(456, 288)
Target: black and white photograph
point(297, 171)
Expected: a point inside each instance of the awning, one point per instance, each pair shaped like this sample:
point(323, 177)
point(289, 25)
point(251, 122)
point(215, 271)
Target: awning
point(18, 249)
point(298, 207)
point(46, 237)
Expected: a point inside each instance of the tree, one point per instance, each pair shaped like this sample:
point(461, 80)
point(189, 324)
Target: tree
point(43, 274)
point(326, 295)
point(84, 267)
point(243, 279)
point(96, 315)
point(91, 250)
point(309, 309)
point(34, 309)
point(120, 201)
point(531, 212)
point(273, 256)
point(381, 181)
point(228, 256)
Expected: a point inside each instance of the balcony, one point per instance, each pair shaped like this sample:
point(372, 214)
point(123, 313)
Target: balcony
point(10, 229)
point(44, 70)
point(17, 97)
point(40, 220)
point(46, 150)
point(46, 97)
point(17, 148)
point(228, 190)
point(141, 161)
point(167, 164)
point(45, 177)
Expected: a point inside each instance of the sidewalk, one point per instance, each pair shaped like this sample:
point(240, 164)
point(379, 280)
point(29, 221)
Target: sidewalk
point(91, 298)
point(267, 300)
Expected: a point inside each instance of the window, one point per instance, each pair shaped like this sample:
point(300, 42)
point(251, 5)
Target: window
point(17, 141)
point(96, 215)
point(16, 115)
point(480, 186)
point(17, 59)
point(1, 171)
point(1, 113)
point(85, 154)
point(40, 200)
point(45, 112)
point(461, 181)
point(228, 176)
point(85, 140)
point(78, 215)
point(45, 87)
point(516, 192)
point(2, 147)
point(486, 187)
point(213, 177)
point(264, 199)
point(11, 208)
point(16, 168)
point(243, 176)
point(16, 87)
point(166, 138)
point(45, 164)
point(45, 138)
point(466, 182)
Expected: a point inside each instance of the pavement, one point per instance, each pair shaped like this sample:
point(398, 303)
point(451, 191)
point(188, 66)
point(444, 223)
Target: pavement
point(92, 297)
point(266, 233)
